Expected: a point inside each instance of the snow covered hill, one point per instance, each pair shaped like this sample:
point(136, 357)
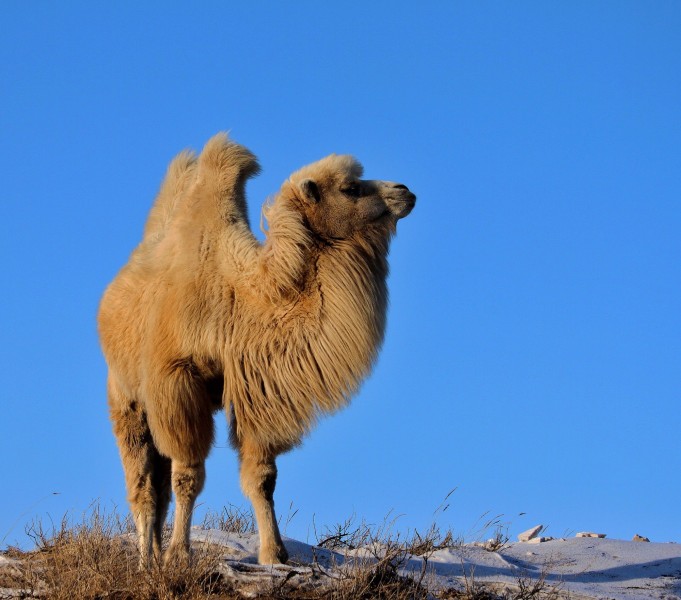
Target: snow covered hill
point(575, 568)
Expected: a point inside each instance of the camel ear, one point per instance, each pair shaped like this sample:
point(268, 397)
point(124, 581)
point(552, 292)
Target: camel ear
point(310, 191)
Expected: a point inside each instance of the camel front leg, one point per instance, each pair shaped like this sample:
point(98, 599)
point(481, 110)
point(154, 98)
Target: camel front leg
point(258, 479)
point(187, 482)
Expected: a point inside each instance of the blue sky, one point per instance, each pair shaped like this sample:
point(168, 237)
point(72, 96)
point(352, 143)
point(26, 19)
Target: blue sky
point(533, 352)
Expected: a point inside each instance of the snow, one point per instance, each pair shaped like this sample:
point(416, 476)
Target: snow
point(580, 568)
point(592, 568)
point(584, 568)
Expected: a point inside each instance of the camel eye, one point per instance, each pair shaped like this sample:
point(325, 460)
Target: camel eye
point(354, 190)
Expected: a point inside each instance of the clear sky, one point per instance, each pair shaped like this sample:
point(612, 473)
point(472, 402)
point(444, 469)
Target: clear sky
point(533, 352)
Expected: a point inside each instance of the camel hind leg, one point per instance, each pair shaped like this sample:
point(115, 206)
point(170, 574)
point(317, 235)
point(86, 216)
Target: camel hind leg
point(147, 473)
point(180, 415)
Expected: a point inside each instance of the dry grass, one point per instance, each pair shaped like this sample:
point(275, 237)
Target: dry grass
point(97, 558)
point(231, 519)
point(379, 576)
point(525, 588)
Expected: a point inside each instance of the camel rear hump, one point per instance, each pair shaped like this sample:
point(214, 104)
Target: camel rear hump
point(179, 176)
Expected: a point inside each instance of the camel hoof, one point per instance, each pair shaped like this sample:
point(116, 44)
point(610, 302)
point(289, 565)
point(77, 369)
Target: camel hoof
point(176, 557)
point(273, 556)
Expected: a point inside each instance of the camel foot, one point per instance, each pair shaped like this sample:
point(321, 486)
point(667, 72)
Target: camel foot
point(176, 557)
point(273, 555)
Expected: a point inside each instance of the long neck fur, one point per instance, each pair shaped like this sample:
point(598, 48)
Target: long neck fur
point(319, 326)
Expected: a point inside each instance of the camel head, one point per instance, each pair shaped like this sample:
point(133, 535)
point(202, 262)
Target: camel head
point(337, 203)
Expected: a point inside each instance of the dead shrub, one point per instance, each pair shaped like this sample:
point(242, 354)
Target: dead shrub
point(231, 519)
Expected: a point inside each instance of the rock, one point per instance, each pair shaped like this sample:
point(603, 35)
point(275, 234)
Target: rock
point(589, 534)
point(526, 536)
point(640, 538)
point(539, 540)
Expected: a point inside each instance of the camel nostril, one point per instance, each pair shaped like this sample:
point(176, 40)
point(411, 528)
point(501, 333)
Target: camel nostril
point(400, 186)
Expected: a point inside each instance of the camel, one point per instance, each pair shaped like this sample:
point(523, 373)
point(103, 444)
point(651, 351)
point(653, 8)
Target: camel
point(206, 317)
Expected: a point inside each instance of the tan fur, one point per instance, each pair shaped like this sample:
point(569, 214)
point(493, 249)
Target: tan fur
point(203, 317)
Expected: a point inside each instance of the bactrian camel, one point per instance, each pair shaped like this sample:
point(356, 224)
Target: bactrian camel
point(204, 317)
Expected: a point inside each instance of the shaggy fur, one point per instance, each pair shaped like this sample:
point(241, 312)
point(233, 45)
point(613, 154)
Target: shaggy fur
point(204, 317)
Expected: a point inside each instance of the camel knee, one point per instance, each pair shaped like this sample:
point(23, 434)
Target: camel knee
point(139, 479)
point(141, 492)
point(188, 480)
point(258, 479)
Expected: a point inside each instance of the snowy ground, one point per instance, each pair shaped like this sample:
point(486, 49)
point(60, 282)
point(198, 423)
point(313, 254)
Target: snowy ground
point(582, 568)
